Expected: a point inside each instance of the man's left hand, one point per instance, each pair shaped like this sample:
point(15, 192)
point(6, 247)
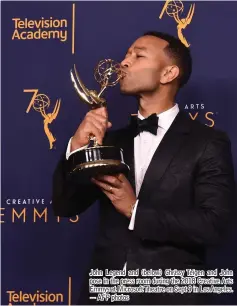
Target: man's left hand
point(119, 190)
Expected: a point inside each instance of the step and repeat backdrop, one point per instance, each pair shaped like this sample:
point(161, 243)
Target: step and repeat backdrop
point(44, 258)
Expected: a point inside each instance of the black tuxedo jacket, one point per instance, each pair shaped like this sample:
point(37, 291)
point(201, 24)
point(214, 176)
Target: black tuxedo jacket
point(185, 202)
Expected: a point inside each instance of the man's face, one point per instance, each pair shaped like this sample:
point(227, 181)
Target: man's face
point(143, 65)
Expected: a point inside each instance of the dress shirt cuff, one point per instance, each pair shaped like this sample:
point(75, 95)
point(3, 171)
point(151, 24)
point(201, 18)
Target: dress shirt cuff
point(132, 220)
point(125, 266)
point(69, 153)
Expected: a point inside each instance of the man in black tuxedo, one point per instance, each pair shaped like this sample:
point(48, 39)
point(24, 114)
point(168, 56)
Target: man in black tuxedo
point(179, 194)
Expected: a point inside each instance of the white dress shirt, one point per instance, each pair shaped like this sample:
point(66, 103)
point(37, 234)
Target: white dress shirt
point(145, 145)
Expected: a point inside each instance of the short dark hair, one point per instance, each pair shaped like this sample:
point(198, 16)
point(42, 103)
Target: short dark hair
point(177, 50)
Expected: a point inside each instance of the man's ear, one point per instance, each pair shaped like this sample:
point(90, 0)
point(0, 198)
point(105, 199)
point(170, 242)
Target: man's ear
point(169, 73)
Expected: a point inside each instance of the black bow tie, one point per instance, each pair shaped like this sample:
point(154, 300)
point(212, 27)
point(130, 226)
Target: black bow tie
point(150, 124)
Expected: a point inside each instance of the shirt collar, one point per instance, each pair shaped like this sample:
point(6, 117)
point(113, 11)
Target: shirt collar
point(165, 118)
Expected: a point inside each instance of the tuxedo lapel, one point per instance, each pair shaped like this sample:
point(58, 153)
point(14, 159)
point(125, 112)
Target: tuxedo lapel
point(124, 139)
point(127, 144)
point(165, 152)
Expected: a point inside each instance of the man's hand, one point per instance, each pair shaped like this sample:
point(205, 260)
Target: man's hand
point(95, 123)
point(119, 190)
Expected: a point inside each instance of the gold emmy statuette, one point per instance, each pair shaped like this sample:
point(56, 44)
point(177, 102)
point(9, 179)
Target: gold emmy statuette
point(175, 9)
point(96, 159)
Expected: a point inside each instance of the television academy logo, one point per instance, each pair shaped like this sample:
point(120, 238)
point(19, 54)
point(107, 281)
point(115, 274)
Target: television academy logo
point(42, 29)
point(174, 9)
point(15, 297)
point(45, 28)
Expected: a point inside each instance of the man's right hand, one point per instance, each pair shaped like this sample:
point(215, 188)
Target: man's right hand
point(96, 123)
